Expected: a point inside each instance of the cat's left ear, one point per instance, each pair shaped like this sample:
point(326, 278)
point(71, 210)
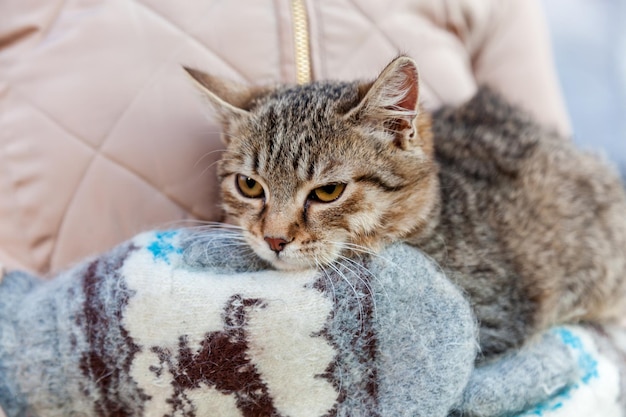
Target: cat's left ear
point(390, 103)
point(231, 100)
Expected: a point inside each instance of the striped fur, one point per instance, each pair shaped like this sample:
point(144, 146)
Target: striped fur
point(530, 227)
point(295, 139)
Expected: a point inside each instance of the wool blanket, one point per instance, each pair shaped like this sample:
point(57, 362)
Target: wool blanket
point(190, 323)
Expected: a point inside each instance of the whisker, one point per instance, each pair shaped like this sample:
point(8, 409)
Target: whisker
point(355, 247)
point(202, 225)
point(216, 235)
point(196, 223)
point(352, 287)
point(363, 270)
point(364, 250)
point(361, 250)
point(204, 171)
point(206, 155)
point(328, 279)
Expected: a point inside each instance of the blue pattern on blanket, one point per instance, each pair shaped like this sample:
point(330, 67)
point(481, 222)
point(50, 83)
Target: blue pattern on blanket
point(162, 247)
point(587, 364)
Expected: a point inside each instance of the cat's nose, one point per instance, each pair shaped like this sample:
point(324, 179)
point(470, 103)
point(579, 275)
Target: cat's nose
point(277, 244)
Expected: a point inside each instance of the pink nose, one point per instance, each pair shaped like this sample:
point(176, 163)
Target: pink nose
point(277, 244)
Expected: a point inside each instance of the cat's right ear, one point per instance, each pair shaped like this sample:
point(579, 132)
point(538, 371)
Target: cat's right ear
point(230, 100)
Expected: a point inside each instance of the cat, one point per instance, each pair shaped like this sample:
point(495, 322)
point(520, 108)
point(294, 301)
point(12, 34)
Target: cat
point(532, 229)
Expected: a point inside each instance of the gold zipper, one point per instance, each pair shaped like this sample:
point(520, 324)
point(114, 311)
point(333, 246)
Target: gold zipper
point(301, 41)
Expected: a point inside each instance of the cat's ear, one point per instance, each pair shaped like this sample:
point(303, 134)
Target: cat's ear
point(230, 100)
point(390, 103)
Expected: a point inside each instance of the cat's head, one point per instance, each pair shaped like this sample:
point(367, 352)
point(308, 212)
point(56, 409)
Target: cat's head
point(314, 172)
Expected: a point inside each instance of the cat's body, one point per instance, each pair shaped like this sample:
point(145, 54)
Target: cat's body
point(531, 228)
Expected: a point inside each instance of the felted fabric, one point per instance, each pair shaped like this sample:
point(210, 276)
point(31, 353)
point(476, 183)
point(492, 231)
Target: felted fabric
point(188, 323)
point(170, 324)
point(571, 371)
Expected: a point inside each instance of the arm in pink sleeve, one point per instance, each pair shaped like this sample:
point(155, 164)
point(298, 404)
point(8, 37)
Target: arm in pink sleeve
point(512, 52)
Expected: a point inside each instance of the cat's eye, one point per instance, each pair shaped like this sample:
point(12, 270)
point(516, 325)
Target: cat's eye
point(327, 193)
point(249, 187)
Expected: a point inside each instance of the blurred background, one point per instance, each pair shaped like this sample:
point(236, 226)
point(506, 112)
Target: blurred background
point(589, 41)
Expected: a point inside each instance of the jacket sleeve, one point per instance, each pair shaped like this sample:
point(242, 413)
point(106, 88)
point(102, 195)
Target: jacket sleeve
point(511, 51)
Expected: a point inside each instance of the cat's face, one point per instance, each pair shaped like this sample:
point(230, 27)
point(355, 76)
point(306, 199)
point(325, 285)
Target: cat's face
point(314, 172)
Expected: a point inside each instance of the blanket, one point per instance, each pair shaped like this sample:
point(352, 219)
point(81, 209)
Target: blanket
point(190, 323)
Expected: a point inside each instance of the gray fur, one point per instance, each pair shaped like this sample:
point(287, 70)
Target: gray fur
point(531, 227)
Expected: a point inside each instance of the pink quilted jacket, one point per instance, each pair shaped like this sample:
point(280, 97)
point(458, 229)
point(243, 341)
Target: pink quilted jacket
point(102, 135)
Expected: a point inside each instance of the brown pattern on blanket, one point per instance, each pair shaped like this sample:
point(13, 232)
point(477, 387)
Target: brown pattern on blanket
point(103, 367)
point(356, 346)
point(222, 362)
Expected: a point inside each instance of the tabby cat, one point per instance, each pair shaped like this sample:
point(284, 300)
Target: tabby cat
point(531, 228)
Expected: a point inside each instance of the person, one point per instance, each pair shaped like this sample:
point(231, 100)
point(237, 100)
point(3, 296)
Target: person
point(103, 136)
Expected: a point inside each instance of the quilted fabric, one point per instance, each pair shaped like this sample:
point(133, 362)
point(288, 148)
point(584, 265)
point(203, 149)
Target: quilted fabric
point(102, 136)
